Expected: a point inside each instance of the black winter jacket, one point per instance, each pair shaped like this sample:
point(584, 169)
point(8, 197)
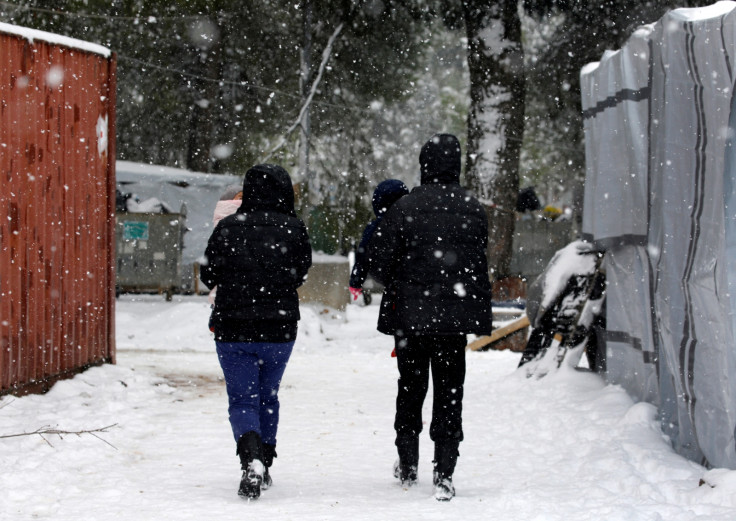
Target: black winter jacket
point(257, 258)
point(430, 253)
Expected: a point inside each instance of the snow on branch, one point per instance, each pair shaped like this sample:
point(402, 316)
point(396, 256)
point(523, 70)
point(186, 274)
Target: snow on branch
point(48, 430)
point(325, 57)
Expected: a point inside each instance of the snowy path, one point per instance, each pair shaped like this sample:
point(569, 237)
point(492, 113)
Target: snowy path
point(566, 447)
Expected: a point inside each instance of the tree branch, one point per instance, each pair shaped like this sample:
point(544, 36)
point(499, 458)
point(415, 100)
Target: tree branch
point(325, 57)
point(48, 430)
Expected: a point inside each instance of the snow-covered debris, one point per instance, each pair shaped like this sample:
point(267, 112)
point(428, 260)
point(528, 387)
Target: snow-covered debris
point(573, 259)
point(151, 205)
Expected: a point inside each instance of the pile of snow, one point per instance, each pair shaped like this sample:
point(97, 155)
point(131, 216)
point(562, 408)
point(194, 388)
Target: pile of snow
point(566, 447)
point(151, 205)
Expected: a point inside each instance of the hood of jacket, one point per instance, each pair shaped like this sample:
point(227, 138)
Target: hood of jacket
point(439, 160)
point(267, 188)
point(386, 194)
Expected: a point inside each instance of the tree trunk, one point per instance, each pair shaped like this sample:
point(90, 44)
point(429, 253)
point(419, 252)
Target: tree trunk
point(495, 119)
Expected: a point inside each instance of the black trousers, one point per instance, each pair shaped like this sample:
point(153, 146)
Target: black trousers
point(445, 356)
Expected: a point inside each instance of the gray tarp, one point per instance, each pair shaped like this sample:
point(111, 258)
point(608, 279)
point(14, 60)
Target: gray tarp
point(616, 108)
point(617, 172)
point(669, 292)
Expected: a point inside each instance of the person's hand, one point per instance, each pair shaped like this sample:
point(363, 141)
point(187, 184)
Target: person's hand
point(356, 292)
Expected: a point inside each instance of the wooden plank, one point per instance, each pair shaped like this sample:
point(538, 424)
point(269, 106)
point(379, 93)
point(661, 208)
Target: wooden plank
point(498, 334)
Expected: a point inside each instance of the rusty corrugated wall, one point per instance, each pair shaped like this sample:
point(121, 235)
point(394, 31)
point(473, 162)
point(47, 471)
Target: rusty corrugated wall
point(57, 210)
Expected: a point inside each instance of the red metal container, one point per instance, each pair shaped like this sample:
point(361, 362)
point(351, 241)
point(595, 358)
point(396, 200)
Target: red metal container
point(57, 208)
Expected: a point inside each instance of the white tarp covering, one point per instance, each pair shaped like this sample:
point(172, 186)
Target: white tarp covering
point(660, 212)
point(176, 187)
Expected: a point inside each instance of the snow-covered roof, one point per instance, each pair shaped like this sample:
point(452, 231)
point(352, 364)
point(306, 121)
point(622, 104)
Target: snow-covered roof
point(168, 173)
point(55, 39)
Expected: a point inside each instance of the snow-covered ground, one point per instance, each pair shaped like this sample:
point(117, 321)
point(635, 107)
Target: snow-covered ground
point(566, 447)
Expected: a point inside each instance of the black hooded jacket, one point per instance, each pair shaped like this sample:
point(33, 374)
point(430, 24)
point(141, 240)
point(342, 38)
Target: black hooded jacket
point(257, 258)
point(430, 253)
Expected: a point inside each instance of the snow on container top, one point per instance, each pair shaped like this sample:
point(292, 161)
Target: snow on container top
point(55, 39)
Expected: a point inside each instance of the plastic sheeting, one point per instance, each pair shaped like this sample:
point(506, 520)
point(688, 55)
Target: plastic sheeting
point(668, 294)
point(616, 110)
point(616, 106)
point(175, 187)
point(631, 354)
point(729, 191)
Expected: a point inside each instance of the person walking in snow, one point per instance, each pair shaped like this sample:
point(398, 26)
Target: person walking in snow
point(384, 196)
point(257, 258)
point(430, 251)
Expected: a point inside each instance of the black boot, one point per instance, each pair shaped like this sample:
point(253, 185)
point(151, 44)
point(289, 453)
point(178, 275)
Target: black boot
point(250, 451)
point(445, 459)
point(269, 453)
point(405, 468)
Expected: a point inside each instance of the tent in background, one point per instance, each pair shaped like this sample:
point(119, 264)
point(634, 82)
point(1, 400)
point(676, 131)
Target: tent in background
point(660, 198)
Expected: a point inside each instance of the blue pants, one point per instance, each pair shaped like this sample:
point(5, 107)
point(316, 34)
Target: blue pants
point(253, 374)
